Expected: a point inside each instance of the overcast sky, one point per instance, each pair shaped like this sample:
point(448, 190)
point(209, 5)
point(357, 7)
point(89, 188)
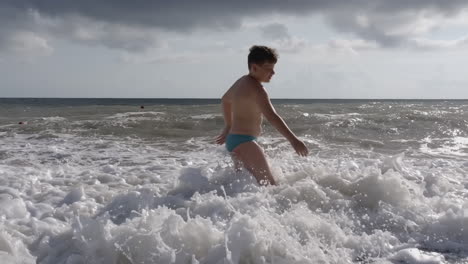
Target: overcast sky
point(187, 48)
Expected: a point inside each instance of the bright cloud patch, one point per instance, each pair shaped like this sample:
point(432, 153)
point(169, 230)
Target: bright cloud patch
point(28, 44)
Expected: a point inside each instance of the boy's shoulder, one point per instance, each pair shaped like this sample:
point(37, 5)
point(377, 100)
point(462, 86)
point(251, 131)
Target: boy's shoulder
point(245, 87)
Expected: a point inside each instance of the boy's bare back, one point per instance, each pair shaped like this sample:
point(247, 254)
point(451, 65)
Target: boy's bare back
point(245, 113)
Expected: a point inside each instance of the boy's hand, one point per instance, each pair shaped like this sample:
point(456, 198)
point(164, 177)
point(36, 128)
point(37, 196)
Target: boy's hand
point(300, 147)
point(222, 137)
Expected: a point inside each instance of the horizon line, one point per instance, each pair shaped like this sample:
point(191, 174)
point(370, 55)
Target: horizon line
point(218, 98)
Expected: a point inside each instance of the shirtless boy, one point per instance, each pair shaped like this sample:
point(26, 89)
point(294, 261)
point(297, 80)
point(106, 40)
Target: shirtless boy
point(244, 104)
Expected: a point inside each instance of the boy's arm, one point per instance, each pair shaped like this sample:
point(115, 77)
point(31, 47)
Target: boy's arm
point(270, 114)
point(226, 104)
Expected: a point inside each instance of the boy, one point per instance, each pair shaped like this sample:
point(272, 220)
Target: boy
point(244, 104)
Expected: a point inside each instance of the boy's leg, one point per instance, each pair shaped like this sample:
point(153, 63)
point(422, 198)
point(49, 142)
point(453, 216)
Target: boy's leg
point(253, 159)
point(237, 162)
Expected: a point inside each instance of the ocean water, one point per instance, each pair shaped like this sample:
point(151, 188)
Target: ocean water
point(106, 181)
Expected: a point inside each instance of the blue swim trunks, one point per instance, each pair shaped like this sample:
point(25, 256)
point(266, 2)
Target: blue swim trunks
point(234, 140)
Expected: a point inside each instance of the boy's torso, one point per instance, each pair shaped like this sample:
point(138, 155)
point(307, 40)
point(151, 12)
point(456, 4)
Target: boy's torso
point(246, 114)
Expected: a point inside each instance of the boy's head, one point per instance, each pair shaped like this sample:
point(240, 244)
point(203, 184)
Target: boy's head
point(261, 54)
point(261, 62)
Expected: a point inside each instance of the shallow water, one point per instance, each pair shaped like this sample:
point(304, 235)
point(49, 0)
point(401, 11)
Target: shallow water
point(110, 182)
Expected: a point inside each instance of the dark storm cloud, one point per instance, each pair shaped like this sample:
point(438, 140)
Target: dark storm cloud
point(11, 20)
point(375, 20)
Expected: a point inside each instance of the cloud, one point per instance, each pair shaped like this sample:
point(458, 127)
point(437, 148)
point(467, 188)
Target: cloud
point(277, 35)
point(275, 31)
point(389, 29)
point(19, 35)
point(351, 45)
point(82, 30)
point(430, 44)
point(134, 58)
point(29, 44)
point(289, 45)
point(114, 36)
point(135, 25)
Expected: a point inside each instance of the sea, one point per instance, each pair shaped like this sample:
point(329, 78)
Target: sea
point(142, 181)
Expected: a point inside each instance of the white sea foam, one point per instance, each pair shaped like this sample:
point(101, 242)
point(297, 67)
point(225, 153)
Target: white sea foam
point(416, 256)
point(70, 198)
point(454, 146)
point(135, 114)
point(335, 116)
point(205, 116)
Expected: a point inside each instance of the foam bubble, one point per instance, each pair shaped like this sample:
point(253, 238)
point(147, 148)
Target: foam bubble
point(12, 207)
point(416, 256)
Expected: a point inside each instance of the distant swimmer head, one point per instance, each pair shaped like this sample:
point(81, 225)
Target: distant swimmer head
point(261, 62)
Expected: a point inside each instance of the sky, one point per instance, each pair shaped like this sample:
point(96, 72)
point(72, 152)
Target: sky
point(346, 49)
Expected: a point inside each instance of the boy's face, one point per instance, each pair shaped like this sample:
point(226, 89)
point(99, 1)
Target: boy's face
point(264, 71)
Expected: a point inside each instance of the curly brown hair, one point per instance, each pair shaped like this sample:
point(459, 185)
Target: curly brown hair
point(261, 54)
